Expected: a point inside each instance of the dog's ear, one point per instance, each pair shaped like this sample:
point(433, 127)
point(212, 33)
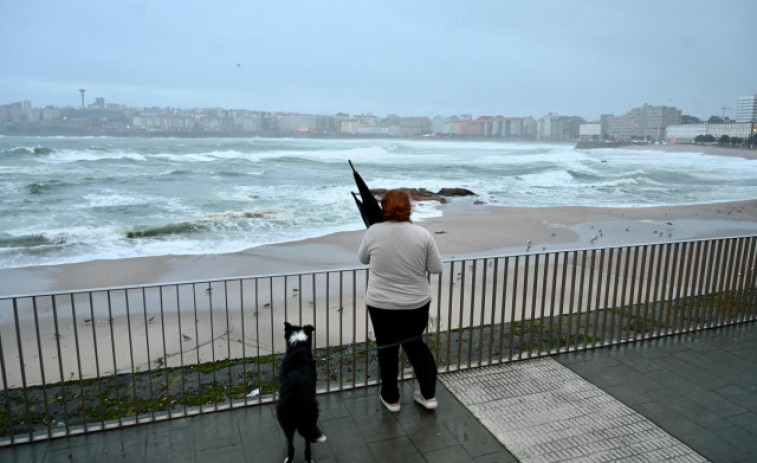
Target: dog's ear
point(309, 330)
point(287, 328)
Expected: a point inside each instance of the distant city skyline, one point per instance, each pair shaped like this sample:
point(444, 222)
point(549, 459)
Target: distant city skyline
point(584, 58)
point(90, 102)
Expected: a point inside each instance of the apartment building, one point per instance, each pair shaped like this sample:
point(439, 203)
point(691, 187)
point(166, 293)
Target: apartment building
point(647, 122)
point(746, 110)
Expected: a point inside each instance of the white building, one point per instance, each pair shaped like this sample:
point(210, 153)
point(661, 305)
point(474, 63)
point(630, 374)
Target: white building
point(590, 130)
point(685, 133)
point(746, 111)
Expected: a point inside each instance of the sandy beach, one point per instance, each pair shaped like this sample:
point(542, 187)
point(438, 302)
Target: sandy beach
point(178, 330)
point(459, 232)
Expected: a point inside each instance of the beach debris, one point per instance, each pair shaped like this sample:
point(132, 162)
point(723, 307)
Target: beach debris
point(185, 337)
point(254, 393)
point(440, 232)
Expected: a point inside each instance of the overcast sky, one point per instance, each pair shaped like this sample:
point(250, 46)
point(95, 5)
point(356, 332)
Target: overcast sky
point(409, 58)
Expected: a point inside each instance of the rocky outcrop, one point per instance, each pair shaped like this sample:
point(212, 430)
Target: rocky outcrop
point(422, 194)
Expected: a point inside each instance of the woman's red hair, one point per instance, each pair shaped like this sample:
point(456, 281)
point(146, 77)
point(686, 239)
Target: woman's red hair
point(396, 206)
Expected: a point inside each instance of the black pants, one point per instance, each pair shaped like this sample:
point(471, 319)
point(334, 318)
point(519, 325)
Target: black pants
point(403, 327)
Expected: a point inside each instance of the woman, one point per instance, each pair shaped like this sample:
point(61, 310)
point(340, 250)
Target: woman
point(398, 296)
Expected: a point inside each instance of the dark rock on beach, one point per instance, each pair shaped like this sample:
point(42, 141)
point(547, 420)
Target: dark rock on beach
point(422, 194)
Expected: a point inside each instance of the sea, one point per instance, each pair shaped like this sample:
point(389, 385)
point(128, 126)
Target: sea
point(75, 199)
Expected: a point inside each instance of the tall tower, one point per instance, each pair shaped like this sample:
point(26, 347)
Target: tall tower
point(746, 111)
point(81, 90)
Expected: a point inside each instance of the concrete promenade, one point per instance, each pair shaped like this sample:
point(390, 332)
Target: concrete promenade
point(686, 398)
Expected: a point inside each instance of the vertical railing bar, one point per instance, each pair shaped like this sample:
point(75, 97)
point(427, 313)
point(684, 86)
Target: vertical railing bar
point(671, 283)
point(579, 308)
point(341, 330)
point(607, 309)
point(684, 267)
point(98, 379)
point(710, 283)
point(563, 292)
point(471, 325)
point(165, 349)
point(132, 366)
point(684, 271)
point(463, 279)
point(366, 337)
point(229, 388)
point(78, 362)
point(328, 342)
point(552, 306)
point(482, 318)
point(614, 306)
point(736, 285)
point(504, 311)
point(513, 310)
point(212, 338)
point(571, 301)
point(438, 343)
point(243, 332)
point(659, 287)
point(542, 327)
point(704, 285)
point(589, 297)
point(181, 350)
point(299, 298)
point(147, 344)
point(354, 329)
point(6, 394)
point(196, 324)
point(730, 286)
point(315, 313)
point(624, 256)
point(40, 355)
point(60, 366)
point(493, 319)
point(719, 279)
point(650, 251)
point(22, 368)
point(748, 276)
point(256, 313)
point(534, 296)
point(273, 329)
point(695, 289)
point(600, 310)
point(113, 353)
point(461, 317)
point(633, 305)
point(523, 307)
point(449, 314)
point(752, 278)
point(740, 286)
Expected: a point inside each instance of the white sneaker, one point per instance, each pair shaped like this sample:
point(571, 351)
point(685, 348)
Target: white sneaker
point(394, 408)
point(428, 404)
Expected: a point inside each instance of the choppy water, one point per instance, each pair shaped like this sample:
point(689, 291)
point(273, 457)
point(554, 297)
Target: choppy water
point(76, 199)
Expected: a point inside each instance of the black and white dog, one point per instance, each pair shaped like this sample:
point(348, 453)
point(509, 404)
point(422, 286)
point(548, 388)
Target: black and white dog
point(297, 408)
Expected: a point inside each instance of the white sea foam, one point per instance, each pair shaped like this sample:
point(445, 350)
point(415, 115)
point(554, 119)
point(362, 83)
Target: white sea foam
point(85, 195)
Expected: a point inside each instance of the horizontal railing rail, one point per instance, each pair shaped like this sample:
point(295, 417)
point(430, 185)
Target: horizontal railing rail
point(83, 361)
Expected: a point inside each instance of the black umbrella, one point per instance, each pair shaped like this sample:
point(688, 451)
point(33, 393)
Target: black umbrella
point(369, 207)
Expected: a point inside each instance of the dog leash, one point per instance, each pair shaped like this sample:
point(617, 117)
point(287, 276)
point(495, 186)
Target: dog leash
point(399, 343)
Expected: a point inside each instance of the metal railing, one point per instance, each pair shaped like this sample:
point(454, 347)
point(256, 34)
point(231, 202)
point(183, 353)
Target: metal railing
point(85, 361)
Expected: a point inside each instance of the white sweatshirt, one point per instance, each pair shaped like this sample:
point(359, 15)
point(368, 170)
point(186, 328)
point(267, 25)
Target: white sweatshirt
point(399, 254)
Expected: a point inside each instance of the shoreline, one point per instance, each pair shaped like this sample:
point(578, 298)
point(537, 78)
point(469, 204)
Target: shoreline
point(714, 150)
point(461, 232)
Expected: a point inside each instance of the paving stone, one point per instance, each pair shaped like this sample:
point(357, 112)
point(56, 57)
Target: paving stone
point(544, 412)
